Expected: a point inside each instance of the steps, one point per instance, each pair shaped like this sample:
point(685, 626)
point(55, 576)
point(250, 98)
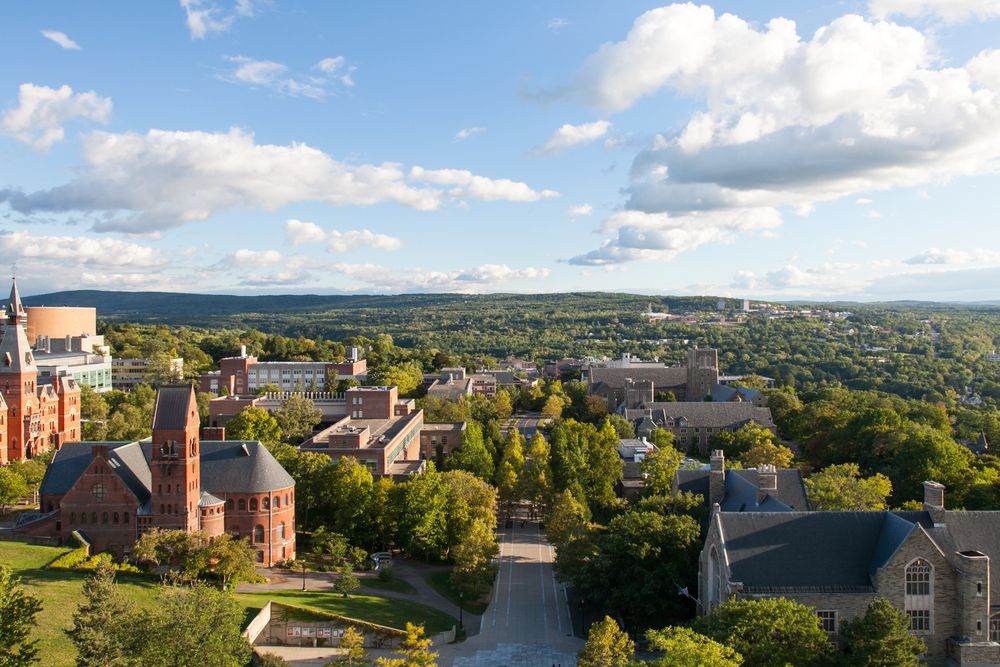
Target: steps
point(519, 655)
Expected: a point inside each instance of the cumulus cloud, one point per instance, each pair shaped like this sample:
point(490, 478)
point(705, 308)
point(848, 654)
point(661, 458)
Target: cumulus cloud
point(298, 232)
point(41, 110)
point(949, 256)
point(639, 236)
point(347, 241)
point(77, 250)
point(142, 184)
point(837, 268)
point(858, 107)
point(585, 209)
point(61, 39)
point(863, 201)
point(205, 17)
point(568, 136)
point(467, 132)
point(335, 67)
point(271, 75)
point(951, 11)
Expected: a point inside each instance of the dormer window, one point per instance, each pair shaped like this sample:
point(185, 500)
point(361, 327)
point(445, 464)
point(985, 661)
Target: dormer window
point(6, 359)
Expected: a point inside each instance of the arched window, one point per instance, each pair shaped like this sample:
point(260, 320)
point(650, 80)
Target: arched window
point(83, 517)
point(126, 518)
point(919, 599)
point(114, 518)
point(286, 500)
point(258, 534)
point(230, 505)
point(281, 530)
point(162, 510)
point(265, 503)
point(72, 519)
point(714, 579)
point(260, 556)
point(243, 505)
point(277, 503)
point(253, 504)
point(50, 505)
point(995, 628)
point(105, 518)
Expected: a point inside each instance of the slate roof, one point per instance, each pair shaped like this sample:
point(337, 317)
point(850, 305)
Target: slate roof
point(71, 460)
point(703, 414)
point(741, 490)
point(241, 467)
point(723, 393)
point(171, 409)
point(660, 377)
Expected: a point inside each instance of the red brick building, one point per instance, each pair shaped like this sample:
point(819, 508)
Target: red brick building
point(33, 418)
point(112, 492)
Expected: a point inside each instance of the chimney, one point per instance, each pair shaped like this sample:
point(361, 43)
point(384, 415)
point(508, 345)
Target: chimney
point(99, 451)
point(243, 351)
point(934, 501)
point(767, 482)
point(717, 478)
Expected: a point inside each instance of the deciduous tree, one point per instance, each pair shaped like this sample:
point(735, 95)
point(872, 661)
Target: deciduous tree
point(17, 617)
point(880, 639)
point(683, 647)
point(607, 645)
point(253, 423)
point(296, 417)
point(840, 488)
point(353, 650)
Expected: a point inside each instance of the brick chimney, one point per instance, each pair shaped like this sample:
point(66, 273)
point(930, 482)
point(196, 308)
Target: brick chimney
point(934, 501)
point(767, 482)
point(717, 478)
point(99, 451)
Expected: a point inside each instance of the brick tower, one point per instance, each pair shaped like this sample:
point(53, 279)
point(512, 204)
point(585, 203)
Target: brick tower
point(175, 468)
point(18, 375)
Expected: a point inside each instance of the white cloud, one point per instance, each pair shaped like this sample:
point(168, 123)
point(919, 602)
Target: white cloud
point(568, 136)
point(661, 237)
point(258, 258)
point(949, 256)
point(347, 241)
point(271, 75)
point(585, 209)
point(834, 269)
point(298, 232)
point(61, 39)
point(477, 187)
point(792, 280)
point(335, 67)
point(872, 214)
point(43, 110)
point(468, 132)
point(77, 250)
point(881, 263)
point(863, 201)
point(204, 17)
point(951, 11)
point(147, 183)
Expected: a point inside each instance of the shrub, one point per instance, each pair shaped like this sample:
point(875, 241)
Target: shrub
point(387, 573)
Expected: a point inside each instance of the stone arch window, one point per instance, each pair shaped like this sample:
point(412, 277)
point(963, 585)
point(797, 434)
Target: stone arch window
point(114, 518)
point(714, 578)
point(253, 504)
point(72, 520)
point(104, 518)
point(94, 517)
point(83, 517)
point(50, 505)
point(286, 500)
point(919, 598)
point(258, 534)
point(265, 503)
point(162, 510)
point(229, 505)
point(243, 505)
point(995, 628)
point(281, 530)
point(277, 503)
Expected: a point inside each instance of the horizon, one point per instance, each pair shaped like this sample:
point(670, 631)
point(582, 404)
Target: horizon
point(771, 151)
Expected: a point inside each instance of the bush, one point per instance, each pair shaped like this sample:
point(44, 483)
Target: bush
point(387, 573)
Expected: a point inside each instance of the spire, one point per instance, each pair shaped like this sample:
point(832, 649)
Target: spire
point(15, 311)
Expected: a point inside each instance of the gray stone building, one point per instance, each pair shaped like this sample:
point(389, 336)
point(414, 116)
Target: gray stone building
point(763, 489)
point(692, 424)
point(932, 565)
point(687, 382)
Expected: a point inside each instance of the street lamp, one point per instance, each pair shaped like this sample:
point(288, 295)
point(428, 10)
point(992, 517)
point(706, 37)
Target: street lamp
point(460, 596)
point(303, 575)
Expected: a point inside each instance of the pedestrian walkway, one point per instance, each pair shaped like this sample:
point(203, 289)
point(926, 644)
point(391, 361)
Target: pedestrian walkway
point(519, 655)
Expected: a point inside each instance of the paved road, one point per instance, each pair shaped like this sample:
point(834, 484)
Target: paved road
point(526, 425)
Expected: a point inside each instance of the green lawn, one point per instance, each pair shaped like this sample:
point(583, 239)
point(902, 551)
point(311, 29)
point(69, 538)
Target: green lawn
point(397, 585)
point(439, 582)
point(60, 591)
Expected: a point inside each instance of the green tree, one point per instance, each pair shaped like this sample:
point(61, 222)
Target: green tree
point(623, 428)
point(102, 631)
point(553, 407)
point(93, 414)
point(415, 650)
point(473, 455)
point(840, 488)
point(161, 370)
point(658, 470)
point(594, 410)
point(737, 443)
point(348, 498)
point(12, 488)
point(510, 474)
point(194, 626)
point(231, 560)
point(474, 569)
point(766, 452)
point(272, 660)
point(17, 617)
point(253, 423)
point(538, 476)
point(880, 639)
point(683, 647)
point(347, 581)
point(773, 632)
point(422, 516)
point(568, 518)
point(604, 466)
point(296, 417)
point(606, 646)
point(353, 650)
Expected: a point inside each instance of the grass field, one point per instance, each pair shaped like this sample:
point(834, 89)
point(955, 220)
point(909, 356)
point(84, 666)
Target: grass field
point(397, 585)
point(440, 583)
point(60, 591)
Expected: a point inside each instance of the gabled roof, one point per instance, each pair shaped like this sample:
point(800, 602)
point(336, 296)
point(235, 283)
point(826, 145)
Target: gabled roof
point(741, 490)
point(703, 414)
point(723, 393)
point(127, 460)
point(170, 412)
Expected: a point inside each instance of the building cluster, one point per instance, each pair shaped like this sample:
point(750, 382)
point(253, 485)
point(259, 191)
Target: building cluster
point(244, 375)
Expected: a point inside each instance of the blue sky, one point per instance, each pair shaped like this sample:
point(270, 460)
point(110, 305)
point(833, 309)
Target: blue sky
point(762, 150)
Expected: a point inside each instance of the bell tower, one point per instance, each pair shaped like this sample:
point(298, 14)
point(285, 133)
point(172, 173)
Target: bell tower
point(176, 462)
point(18, 375)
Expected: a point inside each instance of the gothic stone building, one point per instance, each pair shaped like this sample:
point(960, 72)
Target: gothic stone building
point(113, 492)
point(932, 565)
point(34, 418)
point(630, 387)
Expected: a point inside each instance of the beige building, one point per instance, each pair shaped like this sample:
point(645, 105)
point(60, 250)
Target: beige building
point(126, 374)
point(60, 322)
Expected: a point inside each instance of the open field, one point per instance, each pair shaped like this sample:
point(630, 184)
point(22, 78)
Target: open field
point(440, 582)
point(60, 592)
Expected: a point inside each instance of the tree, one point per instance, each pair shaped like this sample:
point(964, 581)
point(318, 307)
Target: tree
point(604, 466)
point(161, 370)
point(766, 452)
point(348, 496)
point(880, 639)
point(665, 397)
point(231, 560)
point(415, 651)
point(32, 471)
point(623, 428)
point(474, 569)
point(17, 617)
point(161, 547)
point(253, 423)
point(422, 516)
point(93, 414)
point(840, 488)
point(538, 476)
point(510, 474)
point(12, 488)
point(296, 417)
point(607, 644)
point(751, 381)
point(272, 660)
point(353, 650)
point(347, 581)
point(684, 647)
point(553, 407)
point(773, 632)
point(194, 626)
point(741, 441)
point(594, 410)
point(568, 518)
point(473, 455)
point(658, 470)
point(101, 625)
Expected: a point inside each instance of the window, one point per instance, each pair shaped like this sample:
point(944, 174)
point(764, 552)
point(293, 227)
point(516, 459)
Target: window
point(919, 599)
point(995, 628)
point(105, 518)
point(714, 579)
point(94, 517)
point(828, 619)
point(72, 519)
point(243, 505)
point(258, 534)
point(125, 521)
point(83, 517)
point(281, 530)
point(277, 502)
point(253, 504)
point(265, 503)
point(260, 556)
point(99, 491)
point(286, 500)
point(114, 518)
point(229, 505)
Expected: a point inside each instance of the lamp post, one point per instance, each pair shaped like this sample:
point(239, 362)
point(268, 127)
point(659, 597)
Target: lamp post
point(460, 596)
point(303, 575)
